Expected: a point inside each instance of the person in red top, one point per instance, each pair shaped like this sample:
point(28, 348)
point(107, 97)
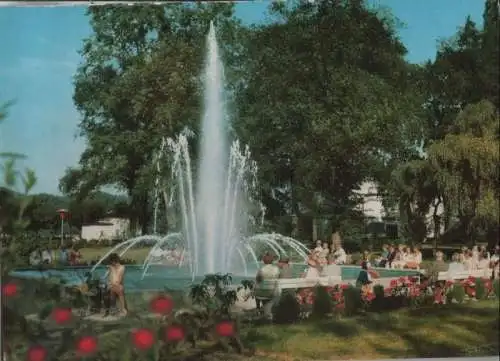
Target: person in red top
point(74, 256)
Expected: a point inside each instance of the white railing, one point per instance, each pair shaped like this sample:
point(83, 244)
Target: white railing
point(295, 283)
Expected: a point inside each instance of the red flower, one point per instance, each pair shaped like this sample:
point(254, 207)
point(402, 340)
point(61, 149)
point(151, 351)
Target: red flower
point(86, 345)
point(394, 283)
point(143, 339)
point(337, 296)
point(61, 315)
point(488, 285)
point(438, 295)
point(470, 292)
point(162, 304)
point(9, 289)
point(225, 329)
point(344, 286)
point(370, 297)
point(37, 353)
point(174, 333)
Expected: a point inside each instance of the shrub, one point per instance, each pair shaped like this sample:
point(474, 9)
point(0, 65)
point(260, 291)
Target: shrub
point(153, 339)
point(287, 309)
point(323, 304)
point(481, 292)
point(458, 293)
point(496, 288)
point(352, 300)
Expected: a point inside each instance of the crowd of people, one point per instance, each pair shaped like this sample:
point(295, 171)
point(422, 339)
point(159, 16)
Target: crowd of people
point(63, 257)
point(170, 256)
point(399, 257)
point(476, 258)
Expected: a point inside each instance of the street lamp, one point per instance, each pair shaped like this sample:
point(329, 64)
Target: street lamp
point(62, 215)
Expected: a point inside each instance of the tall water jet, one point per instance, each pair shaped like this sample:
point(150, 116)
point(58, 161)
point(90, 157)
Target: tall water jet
point(215, 219)
point(213, 160)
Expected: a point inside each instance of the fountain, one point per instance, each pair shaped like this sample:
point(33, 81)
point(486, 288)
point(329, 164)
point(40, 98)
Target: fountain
point(217, 215)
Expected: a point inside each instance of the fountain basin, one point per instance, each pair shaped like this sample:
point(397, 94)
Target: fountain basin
point(160, 277)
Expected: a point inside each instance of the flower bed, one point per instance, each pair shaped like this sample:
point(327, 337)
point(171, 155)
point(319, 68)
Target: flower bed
point(58, 332)
point(402, 292)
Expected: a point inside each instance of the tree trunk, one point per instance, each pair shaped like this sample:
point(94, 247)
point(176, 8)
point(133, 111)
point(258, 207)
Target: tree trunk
point(436, 219)
point(314, 229)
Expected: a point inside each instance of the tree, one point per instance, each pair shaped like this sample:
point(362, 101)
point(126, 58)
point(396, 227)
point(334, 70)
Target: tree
point(415, 186)
point(129, 100)
point(466, 163)
point(490, 51)
point(307, 74)
point(11, 177)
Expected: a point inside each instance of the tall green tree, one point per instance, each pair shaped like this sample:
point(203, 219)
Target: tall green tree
point(329, 95)
point(140, 81)
point(466, 164)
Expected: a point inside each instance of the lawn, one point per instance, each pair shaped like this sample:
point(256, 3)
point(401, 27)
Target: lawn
point(136, 254)
point(446, 331)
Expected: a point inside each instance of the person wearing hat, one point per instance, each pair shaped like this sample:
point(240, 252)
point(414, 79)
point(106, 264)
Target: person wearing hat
point(284, 266)
point(265, 293)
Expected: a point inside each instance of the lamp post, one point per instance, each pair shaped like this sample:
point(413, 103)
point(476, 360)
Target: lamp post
point(62, 215)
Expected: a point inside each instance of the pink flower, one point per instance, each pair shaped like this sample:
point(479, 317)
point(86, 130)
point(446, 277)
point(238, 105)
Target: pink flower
point(394, 283)
point(414, 292)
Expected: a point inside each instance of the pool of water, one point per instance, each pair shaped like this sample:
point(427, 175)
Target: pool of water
point(159, 277)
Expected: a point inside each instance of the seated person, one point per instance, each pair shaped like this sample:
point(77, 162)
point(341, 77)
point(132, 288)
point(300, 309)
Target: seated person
point(364, 279)
point(339, 254)
point(455, 265)
point(439, 265)
point(484, 261)
point(285, 269)
point(264, 296)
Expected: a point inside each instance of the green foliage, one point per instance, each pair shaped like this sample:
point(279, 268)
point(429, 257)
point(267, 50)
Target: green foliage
point(353, 300)
point(458, 293)
point(286, 309)
point(213, 294)
point(466, 165)
point(127, 100)
point(496, 288)
point(481, 292)
point(323, 304)
point(317, 134)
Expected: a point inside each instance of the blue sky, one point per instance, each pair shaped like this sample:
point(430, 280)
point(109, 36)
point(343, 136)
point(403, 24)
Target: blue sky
point(39, 57)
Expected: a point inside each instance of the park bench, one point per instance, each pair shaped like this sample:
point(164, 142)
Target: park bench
point(275, 287)
point(445, 276)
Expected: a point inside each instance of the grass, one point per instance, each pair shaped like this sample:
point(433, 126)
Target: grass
point(136, 254)
point(447, 331)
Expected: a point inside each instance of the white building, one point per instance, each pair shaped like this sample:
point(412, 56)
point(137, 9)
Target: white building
point(373, 208)
point(106, 229)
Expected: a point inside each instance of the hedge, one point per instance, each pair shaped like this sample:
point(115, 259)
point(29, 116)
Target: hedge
point(348, 300)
